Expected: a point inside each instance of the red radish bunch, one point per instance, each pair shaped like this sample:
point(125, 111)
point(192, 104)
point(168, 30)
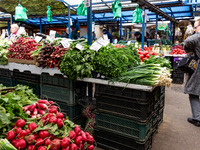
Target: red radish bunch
point(145, 55)
point(27, 135)
point(177, 47)
point(177, 52)
point(119, 46)
point(22, 47)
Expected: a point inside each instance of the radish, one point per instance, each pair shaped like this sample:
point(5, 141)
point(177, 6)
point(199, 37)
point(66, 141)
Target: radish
point(53, 119)
point(65, 148)
point(77, 131)
point(31, 139)
point(10, 135)
point(87, 134)
point(90, 147)
point(36, 136)
point(60, 123)
point(41, 148)
point(35, 111)
point(28, 112)
point(72, 135)
point(28, 131)
point(20, 123)
point(53, 110)
point(65, 142)
point(78, 140)
point(73, 147)
point(23, 133)
point(81, 147)
point(32, 126)
point(47, 142)
point(90, 139)
point(32, 107)
point(20, 144)
point(43, 134)
point(84, 136)
point(38, 115)
point(43, 101)
point(52, 137)
point(31, 147)
point(13, 141)
point(33, 116)
point(59, 115)
point(39, 142)
point(25, 108)
point(18, 130)
point(55, 144)
point(53, 107)
point(49, 115)
point(42, 106)
point(42, 112)
point(51, 102)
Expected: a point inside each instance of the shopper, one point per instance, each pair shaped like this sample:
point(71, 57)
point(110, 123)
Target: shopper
point(138, 37)
point(105, 31)
point(192, 86)
point(14, 29)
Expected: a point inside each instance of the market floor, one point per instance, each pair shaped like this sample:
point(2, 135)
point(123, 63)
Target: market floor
point(175, 133)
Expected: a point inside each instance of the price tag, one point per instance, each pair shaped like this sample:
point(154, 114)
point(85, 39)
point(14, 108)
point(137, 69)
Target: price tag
point(38, 38)
point(103, 42)
point(65, 43)
point(79, 46)
point(52, 35)
point(95, 46)
point(129, 42)
point(115, 41)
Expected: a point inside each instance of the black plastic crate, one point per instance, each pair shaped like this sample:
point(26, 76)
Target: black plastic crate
point(125, 92)
point(123, 126)
point(136, 109)
point(32, 85)
point(71, 111)
point(5, 73)
point(178, 80)
point(112, 141)
point(26, 75)
point(6, 81)
point(80, 120)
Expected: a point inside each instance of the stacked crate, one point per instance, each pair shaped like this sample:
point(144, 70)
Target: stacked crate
point(65, 93)
point(127, 118)
point(28, 79)
point(6, 77)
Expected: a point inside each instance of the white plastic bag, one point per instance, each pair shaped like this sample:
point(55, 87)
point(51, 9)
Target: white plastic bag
point(189, 30)
point(178, 32)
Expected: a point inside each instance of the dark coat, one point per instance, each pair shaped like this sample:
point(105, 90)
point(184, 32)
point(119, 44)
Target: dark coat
point(192, 44)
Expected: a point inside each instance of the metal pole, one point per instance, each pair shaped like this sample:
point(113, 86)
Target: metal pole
point(8, 21)
point(120, 30)
point(125, 33)
point(173, 37)
point(156, 30)
point(143, 27)
point(69, 26)
point(45, 28)
point(11, 18)
point(40, 25)
point(167, 32)
point(170, 31)
point(89, 23)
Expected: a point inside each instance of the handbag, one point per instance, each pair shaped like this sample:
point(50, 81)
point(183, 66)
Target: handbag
point(188, 64)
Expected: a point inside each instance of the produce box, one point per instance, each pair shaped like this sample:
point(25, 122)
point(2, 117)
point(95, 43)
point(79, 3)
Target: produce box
point(122, 126)
point(113, 141)
point(5, 73)
point(6, 81)
point(22, 61)
point(27, 76)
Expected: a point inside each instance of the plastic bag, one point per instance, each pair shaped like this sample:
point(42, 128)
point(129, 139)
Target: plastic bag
point(82, 10)
point(20, 13)
point(189, 30)
point(178, 32)
point(137, 15)
point(49, 15)
point(117, 9)
point(162, 27)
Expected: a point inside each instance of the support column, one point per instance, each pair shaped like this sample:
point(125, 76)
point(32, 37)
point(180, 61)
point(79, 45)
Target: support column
point(120, 30)
point(156, 29)
point(170, 31)
point(89, 23)
point(69, 27)
point(8, 21)
point(125, 33)
point(45, 28)
point(11, 18)
point(173, 36)
point(143, 27)
point(40, 25)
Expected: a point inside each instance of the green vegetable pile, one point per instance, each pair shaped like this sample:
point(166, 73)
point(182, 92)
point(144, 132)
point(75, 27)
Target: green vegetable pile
point(11, 102)
point(112, 62)
point(4, 44)
point(159, 60)
point(78, 63)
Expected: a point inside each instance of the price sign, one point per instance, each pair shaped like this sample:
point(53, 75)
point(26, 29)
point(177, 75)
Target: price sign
point(79, 46)
point(102, 41)
point(95, 46)
point(38, 38)
point(129, 42)
point(65, 43)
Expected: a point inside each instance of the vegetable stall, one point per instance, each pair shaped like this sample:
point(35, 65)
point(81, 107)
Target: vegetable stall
point(127, 88)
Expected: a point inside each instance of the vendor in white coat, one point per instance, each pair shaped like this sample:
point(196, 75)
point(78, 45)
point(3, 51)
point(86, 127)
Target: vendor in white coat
point(14, 29)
